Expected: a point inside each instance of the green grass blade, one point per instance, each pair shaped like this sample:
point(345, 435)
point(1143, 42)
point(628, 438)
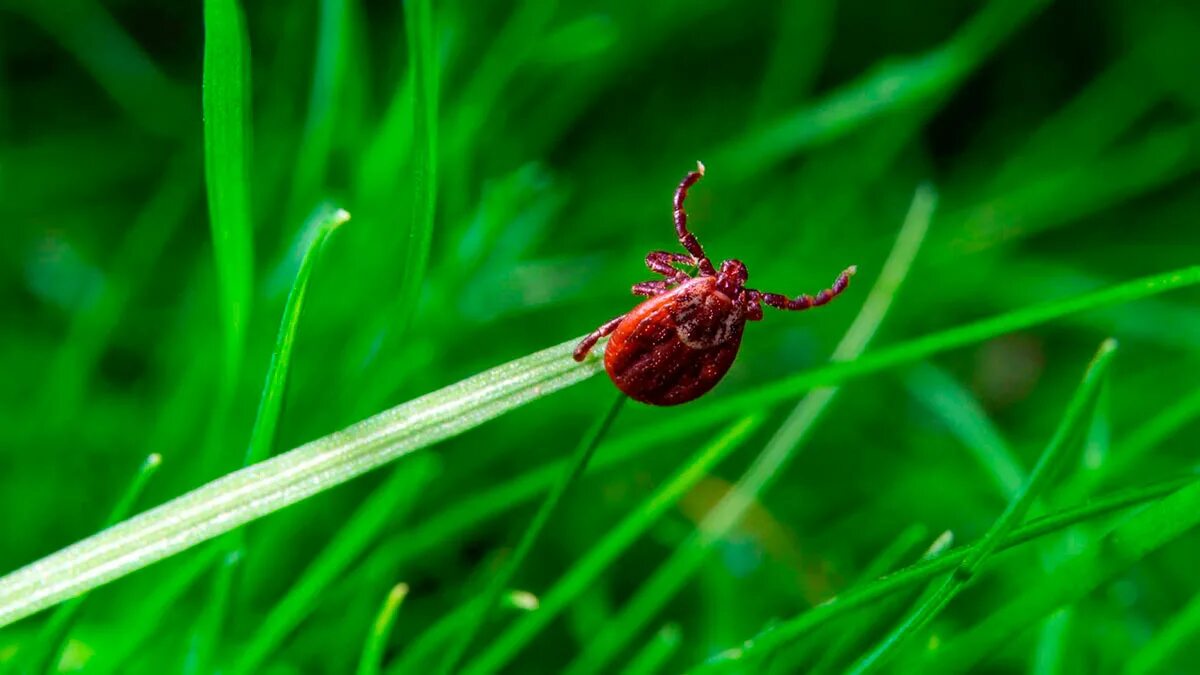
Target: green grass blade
point(491, 594)
point(962, 414)
point(268, 486)
point(1127, 543)
point(585, 571)
point(91, 331)
point(112, 56)
point(887, 89)
point(323, 222)
point(51, 638)
point(206, 636)
point(226, 168)
point(651, 658)
point(935, 343)
point(377, 638)
point(386, 505)
point(787, 632)
point(834, 653)
point(420, 655)
point(270, 405)
point(324, 102)
point(686, 559)
point(424, 74)
point(1050, 460)
point(1176, 633)
point(147, 621)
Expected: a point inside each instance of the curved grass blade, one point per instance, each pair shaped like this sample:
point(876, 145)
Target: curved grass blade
point(787, 632)
point(380, 629)
point(770, 462)
point(1125, 544)
point(1050, 459)
point(579, 461)
point(268, 486)
point(270, 406)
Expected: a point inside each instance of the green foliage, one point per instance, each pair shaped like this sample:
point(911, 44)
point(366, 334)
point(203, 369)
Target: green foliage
point(508, 165)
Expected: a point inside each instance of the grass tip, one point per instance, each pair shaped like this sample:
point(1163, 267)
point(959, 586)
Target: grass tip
point(700, 167)
point(153, 460)
point(523, 600)
point(944, 541)
point(397, 594)
point(339, 217)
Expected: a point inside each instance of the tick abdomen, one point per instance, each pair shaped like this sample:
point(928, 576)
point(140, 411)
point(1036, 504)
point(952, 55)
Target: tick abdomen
point(676, 346)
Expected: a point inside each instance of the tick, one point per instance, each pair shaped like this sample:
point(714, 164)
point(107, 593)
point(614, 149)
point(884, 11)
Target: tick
point(680, 341)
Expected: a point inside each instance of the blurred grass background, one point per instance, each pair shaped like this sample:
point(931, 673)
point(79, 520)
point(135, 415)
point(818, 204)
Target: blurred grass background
point(533, 146)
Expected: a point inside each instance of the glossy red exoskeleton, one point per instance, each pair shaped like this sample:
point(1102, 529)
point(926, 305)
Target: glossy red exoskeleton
point(677, 344)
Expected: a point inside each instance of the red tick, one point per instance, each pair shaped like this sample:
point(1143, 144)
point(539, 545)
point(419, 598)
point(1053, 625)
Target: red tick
point(679, 342)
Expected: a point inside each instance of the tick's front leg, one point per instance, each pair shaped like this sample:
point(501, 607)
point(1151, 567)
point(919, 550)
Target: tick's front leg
point(586, 344)
point(660, 262)
point(801, 302)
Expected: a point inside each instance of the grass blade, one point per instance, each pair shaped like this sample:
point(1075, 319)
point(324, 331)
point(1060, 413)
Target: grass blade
point(324, 102)
point(787, 632)
point(268, 486)
point(579, 461)
point(423, 77)
point(510, 642)
point(421, 655)
point(270, 405)
point(226, 167)
point(387, 504)
point(1127, 543)
point(892, 87)
point(671, 575)
point(961, 413)
point(1018, 506)
point(848, 638)
point(51, 639)
point(935, 343)
point(377, 639)
point(326, 220)
point(656, 652)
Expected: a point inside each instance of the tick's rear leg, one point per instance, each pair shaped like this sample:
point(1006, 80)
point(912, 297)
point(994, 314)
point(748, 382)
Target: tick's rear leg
point(660, 262)
point(805, 301)
point(586, 344)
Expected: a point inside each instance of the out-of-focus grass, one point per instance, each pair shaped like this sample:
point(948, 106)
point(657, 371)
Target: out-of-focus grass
point(1064, 139)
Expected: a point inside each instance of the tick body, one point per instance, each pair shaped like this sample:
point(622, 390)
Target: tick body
point(678, 343)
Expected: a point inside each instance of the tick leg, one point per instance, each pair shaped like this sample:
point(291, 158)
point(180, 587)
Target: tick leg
point(687, 239)
point(652, 288)
point(660, 262)
point(805, 301)
point(586, 344)
point(753, 306)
